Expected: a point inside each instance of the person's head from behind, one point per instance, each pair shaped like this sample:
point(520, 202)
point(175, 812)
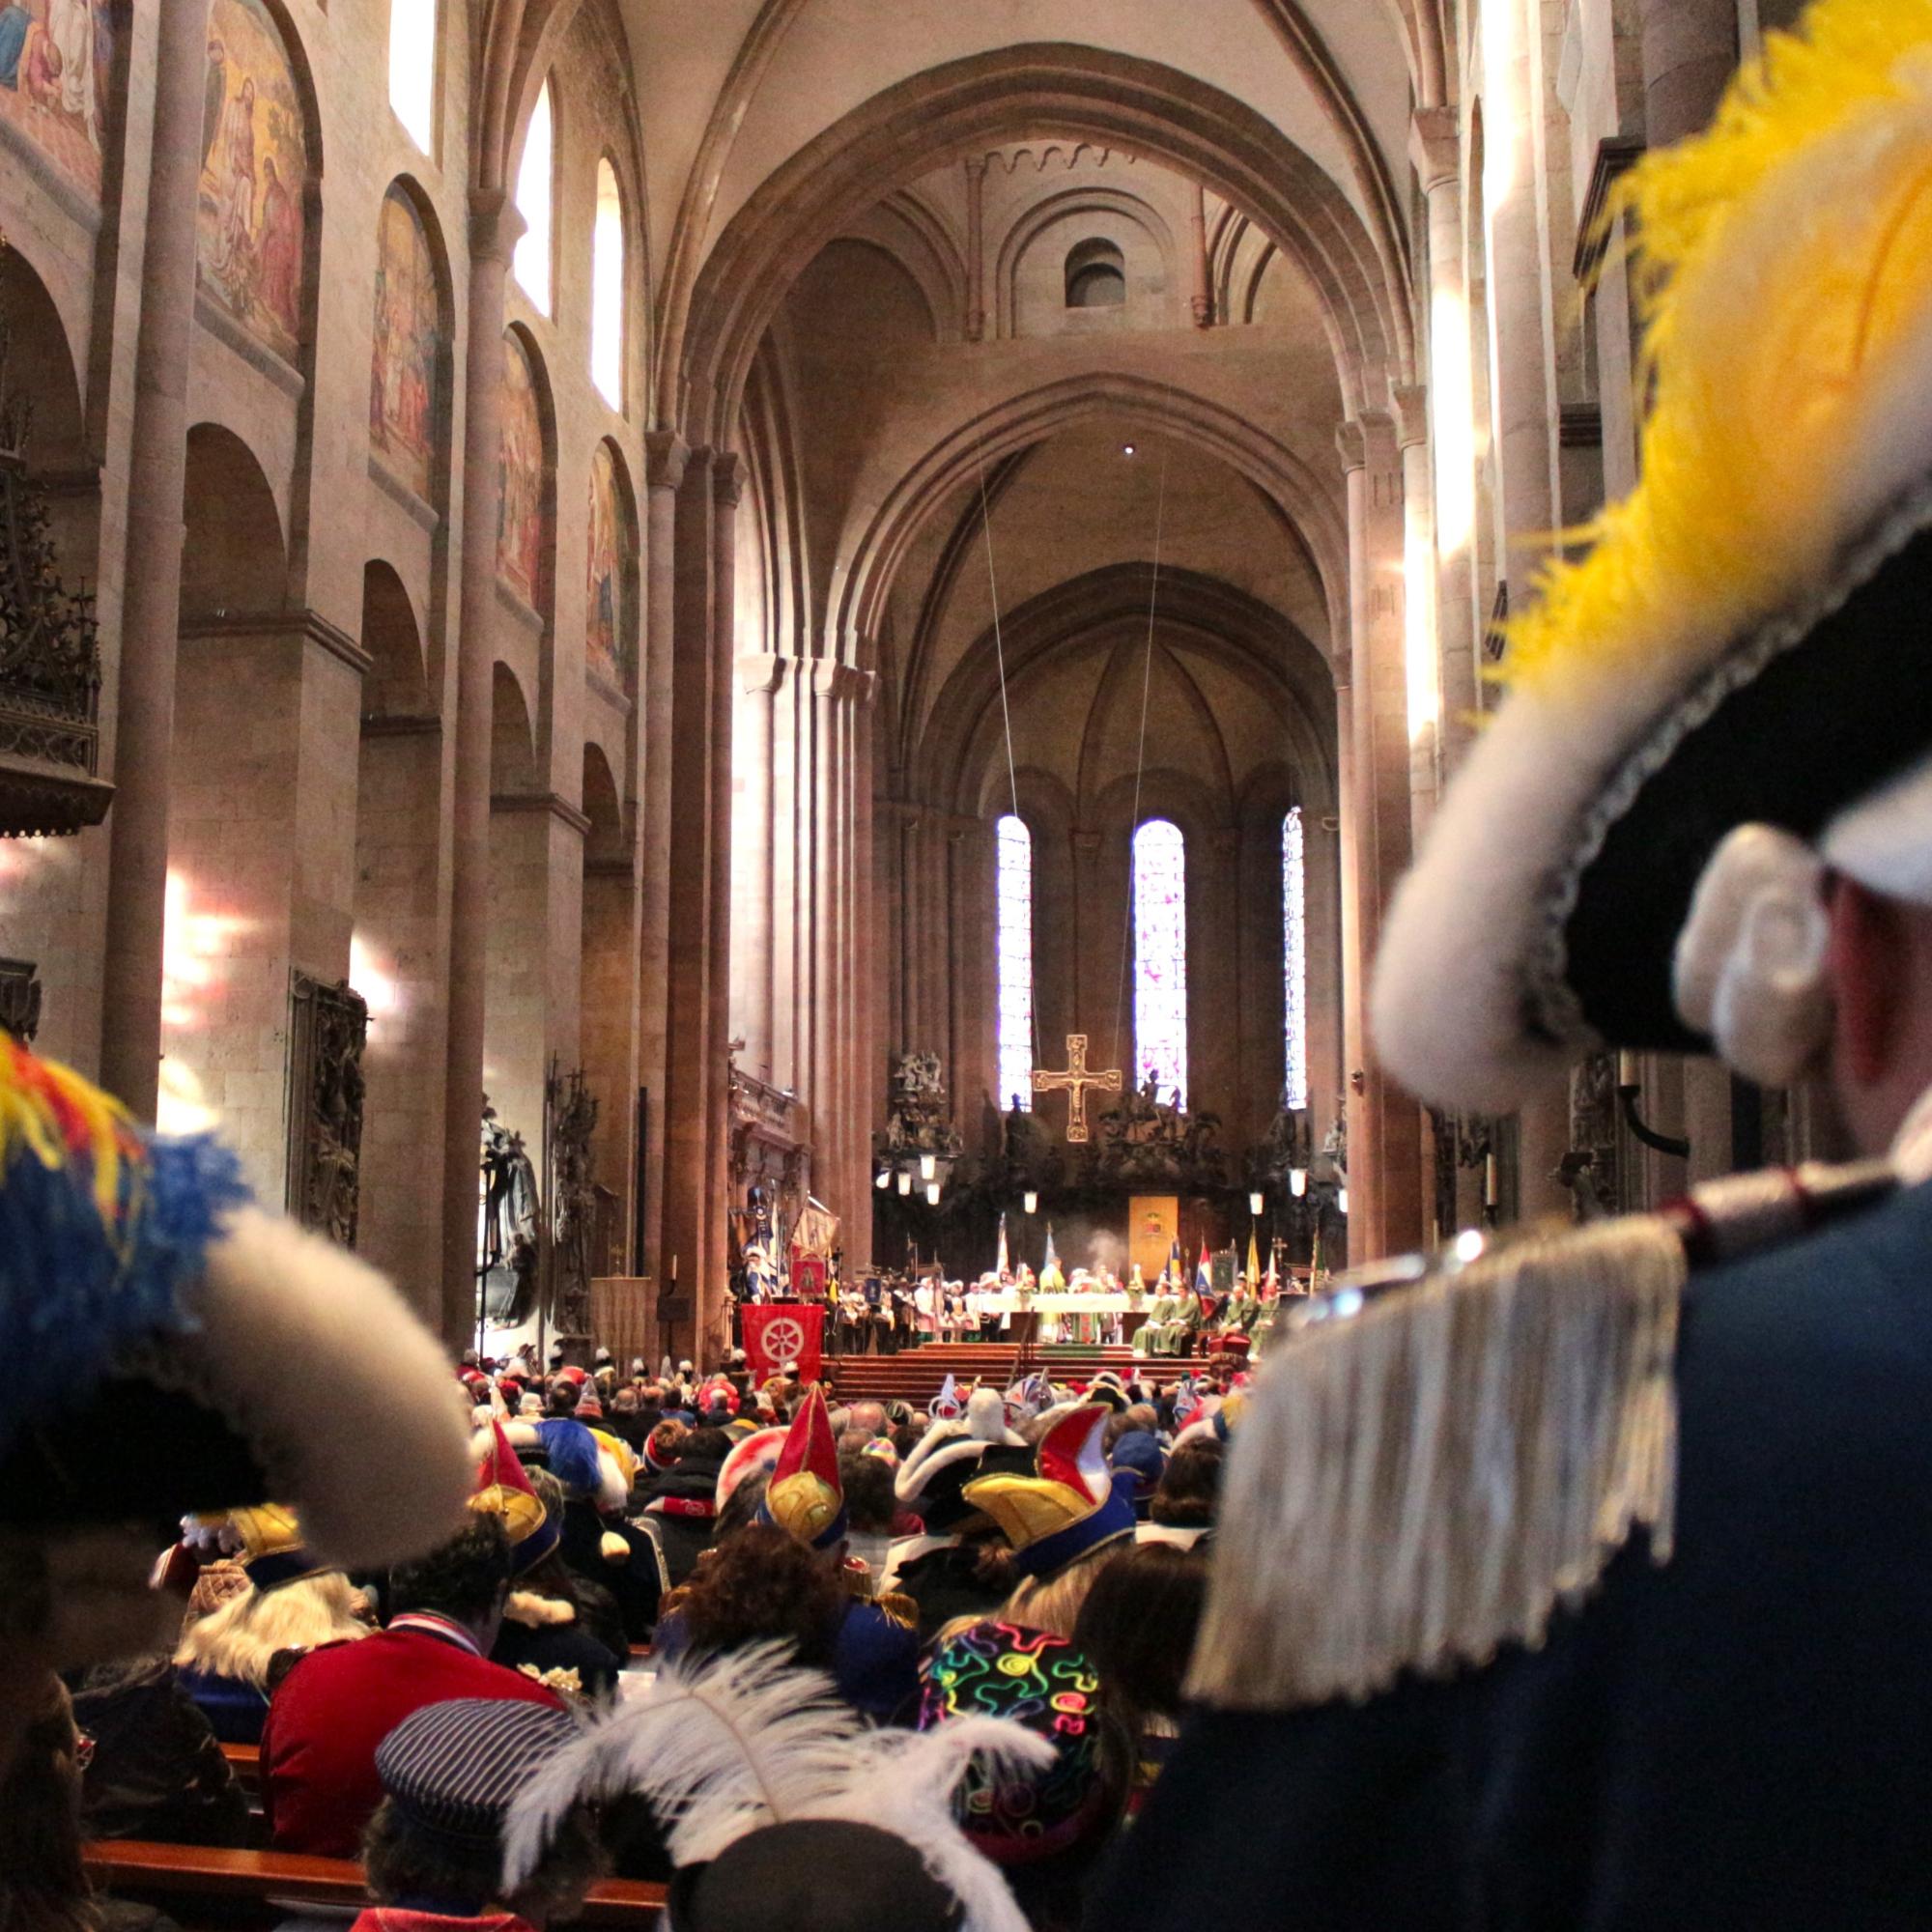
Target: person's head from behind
point(242, 1638)
point(1139, 1623)
point(1190, 1486)
point(565, 1396)
point(709, 1444)
point(869, 1503)
point(449, 1774)
point(44, 1886)
point(761, 1586)
point(624, 1401)
point(868, 1416)
point(463, 1580)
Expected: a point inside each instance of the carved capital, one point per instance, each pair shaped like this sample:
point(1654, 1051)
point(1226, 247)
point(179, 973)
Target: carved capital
point(1410, 402)
point(759, 673)
point(666, 455)
point(727, 478)
point(1352, 444)
point(495, 226)
point(1434, 147)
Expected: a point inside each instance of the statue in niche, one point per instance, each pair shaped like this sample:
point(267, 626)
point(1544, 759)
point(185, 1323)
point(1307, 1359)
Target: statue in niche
point(330, 1026)
point(508, 1262)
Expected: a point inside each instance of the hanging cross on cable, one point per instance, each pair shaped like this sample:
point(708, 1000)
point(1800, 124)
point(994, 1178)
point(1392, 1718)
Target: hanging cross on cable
point(1075, 1083)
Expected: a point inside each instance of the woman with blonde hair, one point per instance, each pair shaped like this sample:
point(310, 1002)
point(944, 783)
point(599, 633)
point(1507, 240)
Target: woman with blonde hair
point(230, 1661)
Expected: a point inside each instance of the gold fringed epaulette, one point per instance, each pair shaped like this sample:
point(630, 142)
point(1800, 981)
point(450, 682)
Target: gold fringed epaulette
point(1428, 1473)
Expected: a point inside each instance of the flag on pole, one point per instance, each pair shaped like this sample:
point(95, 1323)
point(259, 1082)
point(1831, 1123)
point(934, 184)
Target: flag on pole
point(1002, 1266)
point(1052, 1260)
point(945, 1403)
point(1273, 1282)
point(1176, 1271)
point(1254, 1263)
point(1203, 1273)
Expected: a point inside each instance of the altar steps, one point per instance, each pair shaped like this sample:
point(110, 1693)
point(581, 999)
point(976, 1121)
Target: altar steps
point(916, 1375)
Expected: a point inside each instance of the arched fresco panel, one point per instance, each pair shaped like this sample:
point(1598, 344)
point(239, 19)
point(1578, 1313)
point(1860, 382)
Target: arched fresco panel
point(408, 343)
point(520, 467)
point(254, 176)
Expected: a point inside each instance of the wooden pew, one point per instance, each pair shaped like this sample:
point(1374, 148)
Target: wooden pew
point(250, 1887)
point(246, 1762)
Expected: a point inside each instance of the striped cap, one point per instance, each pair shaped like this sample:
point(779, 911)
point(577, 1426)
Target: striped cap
point(453, 1768)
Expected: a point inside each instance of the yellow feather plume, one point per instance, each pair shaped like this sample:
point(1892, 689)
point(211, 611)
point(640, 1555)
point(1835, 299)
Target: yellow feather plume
point(1786, 265)
point(55, 1113)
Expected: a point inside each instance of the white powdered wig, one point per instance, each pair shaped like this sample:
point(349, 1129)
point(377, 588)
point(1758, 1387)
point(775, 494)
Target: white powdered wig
point(724, 1749)
point(379, 1471)
point(986, 1418)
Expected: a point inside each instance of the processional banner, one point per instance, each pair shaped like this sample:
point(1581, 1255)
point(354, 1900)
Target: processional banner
point(777, 1332)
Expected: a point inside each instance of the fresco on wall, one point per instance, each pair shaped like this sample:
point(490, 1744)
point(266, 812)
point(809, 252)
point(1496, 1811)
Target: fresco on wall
point(56, 64)
point(406, 344)
point(520, 465)
point(606, 648)
point(254, 173)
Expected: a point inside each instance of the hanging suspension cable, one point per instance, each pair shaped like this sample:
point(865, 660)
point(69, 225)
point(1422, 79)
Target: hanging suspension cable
point(1140, 757)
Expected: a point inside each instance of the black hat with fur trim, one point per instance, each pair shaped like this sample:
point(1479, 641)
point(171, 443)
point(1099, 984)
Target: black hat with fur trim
point(145, 1296)
point(1731, 692)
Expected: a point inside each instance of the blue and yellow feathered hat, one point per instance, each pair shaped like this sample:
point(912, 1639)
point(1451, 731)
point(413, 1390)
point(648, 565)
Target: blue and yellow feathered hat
point(1743, 643)
point(145, 1299)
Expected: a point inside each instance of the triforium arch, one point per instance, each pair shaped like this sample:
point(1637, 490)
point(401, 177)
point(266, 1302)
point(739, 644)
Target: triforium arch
point(708, 345)
point(863, 581)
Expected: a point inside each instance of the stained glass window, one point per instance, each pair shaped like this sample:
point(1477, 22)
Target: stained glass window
point(1294, 956)
point(1161, 958)
point(537, 189)
point(1014, 884)
point(606, 289)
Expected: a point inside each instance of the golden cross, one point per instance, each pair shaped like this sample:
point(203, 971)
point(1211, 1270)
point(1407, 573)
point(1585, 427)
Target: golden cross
point(1074, 1082)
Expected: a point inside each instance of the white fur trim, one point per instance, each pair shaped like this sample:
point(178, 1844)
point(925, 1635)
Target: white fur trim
point(1446, 1007)
point(537, 1612)
point(382, 1470)
point(1885, 842)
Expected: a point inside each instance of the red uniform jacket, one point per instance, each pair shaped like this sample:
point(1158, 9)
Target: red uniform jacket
point(319, 1782)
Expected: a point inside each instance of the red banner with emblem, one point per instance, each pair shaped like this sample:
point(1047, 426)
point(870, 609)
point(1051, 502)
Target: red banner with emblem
point(777, 1332)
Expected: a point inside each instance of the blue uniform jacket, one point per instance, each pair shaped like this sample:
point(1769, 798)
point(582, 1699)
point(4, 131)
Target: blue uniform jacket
point(1740, 1738)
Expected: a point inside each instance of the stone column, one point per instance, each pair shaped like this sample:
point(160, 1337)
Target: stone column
point(826, 963)
point(752, 980)
point(137, 826)
point(1201, 296)
point(494, 227)
point(666, 457)
point(976, 248)
point(1433, 151)
point(687, 1201)
point(727, 487)
point(1385, 1141)
point(1421, 647)
point(1690, 49)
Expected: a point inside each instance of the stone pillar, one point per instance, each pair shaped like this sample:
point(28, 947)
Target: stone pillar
point(753, 995)
point(688, 1201)
point(494, 227)
point(1421, 647)
point(1201, 296)
point(976, 248)
point(826, 962)
point(1384, 1139)
point(1690, 49)
point(137, 826)
point(666, 458)
point(867, 1054)
point(1434, 150)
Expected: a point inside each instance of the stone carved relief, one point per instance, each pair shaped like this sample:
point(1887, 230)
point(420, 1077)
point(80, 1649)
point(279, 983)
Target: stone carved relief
point(329, 1028)
point(20, 999)
point(1591, 1168)
point(570, 1118)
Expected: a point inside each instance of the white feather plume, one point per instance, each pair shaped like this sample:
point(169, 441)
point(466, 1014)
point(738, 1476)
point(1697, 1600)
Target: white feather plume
point(725, 1746)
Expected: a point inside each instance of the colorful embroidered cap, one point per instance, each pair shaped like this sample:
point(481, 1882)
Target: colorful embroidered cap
point(1020, 1816)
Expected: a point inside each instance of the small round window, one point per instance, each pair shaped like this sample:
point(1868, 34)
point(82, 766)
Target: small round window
point(1096, 277)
